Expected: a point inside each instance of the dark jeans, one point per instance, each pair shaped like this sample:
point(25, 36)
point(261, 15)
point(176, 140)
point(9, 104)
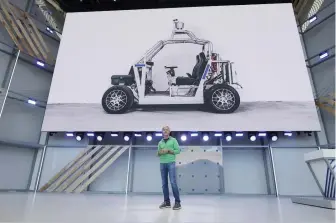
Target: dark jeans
point(169, 169)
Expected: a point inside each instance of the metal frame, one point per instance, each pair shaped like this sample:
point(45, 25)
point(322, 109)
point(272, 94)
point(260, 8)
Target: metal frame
point(128, 168)
point(151, 53)
point(325, 201)
point(317, 140)
point(315, 178)
point(131, 172)
point(274, 172)
point(30, 179)
point(330, 167)
point(39, 173)
point(10, 66)
point(10, 81)
point(221, 171)
point(264, 154)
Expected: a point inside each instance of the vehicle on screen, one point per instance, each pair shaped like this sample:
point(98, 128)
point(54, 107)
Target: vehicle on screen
point(212, 81)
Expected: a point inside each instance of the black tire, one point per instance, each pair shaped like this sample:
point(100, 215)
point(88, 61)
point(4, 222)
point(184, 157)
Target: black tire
point(225, 107)
point(123, 99)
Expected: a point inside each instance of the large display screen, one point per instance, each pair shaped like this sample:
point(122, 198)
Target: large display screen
point(223, 68)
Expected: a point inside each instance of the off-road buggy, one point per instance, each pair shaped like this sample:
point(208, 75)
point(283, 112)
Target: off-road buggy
point(211, 82)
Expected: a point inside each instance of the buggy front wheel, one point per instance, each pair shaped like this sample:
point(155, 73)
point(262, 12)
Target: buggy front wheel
point(117, 99)
point(222, 98)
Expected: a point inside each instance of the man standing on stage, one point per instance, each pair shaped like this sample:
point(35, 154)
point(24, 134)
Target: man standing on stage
point(167, 149)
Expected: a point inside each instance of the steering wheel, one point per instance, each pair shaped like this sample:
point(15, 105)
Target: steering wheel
point(171, 70)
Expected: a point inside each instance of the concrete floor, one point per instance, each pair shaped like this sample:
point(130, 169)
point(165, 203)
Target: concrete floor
point(99, 208)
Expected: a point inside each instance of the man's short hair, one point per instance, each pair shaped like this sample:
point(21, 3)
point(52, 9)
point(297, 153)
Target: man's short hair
point(166, 128)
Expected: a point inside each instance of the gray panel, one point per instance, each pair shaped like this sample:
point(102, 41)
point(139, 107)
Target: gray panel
point(321, 36)
point(19, 3)
point(4, 60)
point(329, 123)
point(21, 121)
point(146, 172)
point(31, 81)
point(113, 179)
point(244, 171)
point(7, 63)
point(324, 77)
point(199, 170)
point(51, 43)
point(293, 176)
point(324, 80)
point(4, 37)
point(15, 167)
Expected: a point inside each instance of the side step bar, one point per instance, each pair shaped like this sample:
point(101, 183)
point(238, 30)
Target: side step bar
point(77, 175)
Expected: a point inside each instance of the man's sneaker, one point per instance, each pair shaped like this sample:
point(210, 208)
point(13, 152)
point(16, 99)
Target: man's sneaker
point(177, 206)
point(165, 205)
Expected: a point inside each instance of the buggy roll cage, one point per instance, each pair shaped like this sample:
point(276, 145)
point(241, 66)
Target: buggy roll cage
point(178, 30)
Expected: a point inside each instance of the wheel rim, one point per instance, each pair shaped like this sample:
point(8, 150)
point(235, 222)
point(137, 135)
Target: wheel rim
point(116, 100)
point(223, 99)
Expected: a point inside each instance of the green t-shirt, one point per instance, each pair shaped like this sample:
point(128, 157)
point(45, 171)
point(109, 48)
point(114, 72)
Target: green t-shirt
point(170, 144)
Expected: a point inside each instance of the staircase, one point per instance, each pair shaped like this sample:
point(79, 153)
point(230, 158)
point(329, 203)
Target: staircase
point(326, 103)
point(301, 8)
point(77, 175)
point(22, 29)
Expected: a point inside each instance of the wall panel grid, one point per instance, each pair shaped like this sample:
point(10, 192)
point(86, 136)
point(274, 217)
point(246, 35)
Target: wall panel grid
point(319, 39)
point(199, 170)
point(245, 171)
point(16, 167)
point(21, 80)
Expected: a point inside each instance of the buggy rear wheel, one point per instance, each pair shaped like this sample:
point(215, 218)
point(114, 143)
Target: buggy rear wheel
point(117, 99)
point(222, 98)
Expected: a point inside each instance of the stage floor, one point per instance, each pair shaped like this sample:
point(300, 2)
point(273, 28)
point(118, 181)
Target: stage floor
point(101, 208)
point(252, 116)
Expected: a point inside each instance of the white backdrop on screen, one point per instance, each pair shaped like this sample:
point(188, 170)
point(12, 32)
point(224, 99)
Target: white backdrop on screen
point(262, 41)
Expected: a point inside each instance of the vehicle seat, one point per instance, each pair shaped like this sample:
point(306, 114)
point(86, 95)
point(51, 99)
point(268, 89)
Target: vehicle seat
point(128, 79)
point(202, 66)
point(194, 71)
point(196, 74)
